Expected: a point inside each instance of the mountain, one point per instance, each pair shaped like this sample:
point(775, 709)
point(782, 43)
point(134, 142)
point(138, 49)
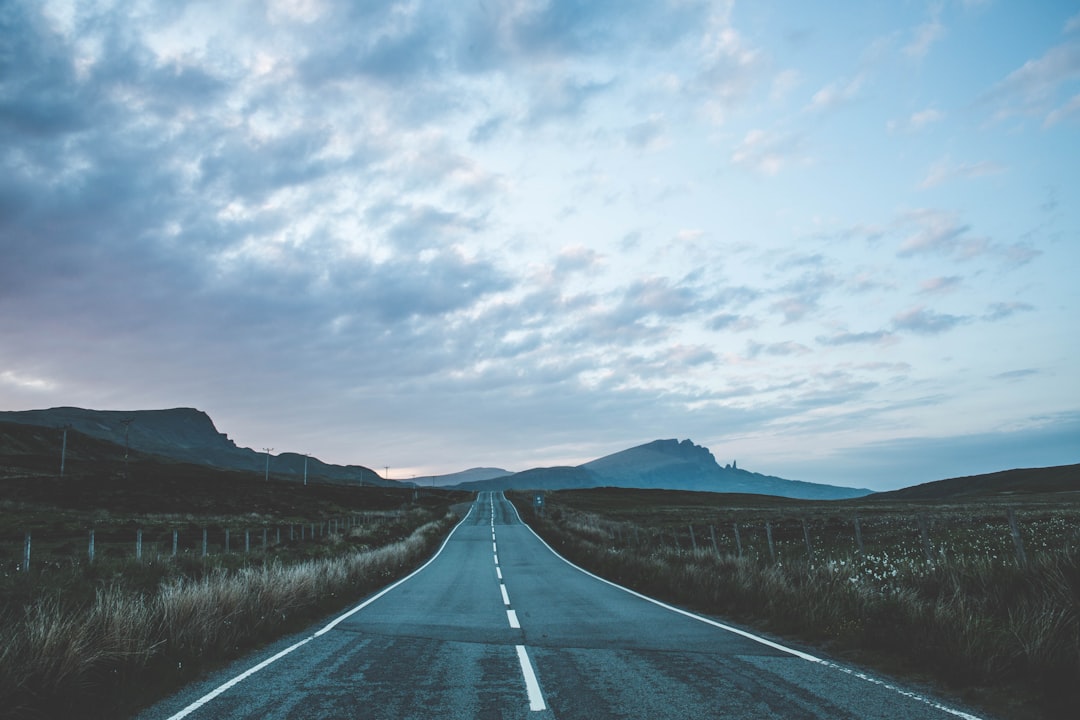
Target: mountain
point(471, 475)
point(668, 464)
point(185, 435)
point(1062, 478)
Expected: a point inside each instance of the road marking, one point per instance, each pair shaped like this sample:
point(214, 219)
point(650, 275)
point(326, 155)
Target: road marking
point(494, 548)
point(506, 598)
point(496, 559)
point(330, 626)
point(750, 636)
point(536, 699)
point(511, 615)
point(498, 571)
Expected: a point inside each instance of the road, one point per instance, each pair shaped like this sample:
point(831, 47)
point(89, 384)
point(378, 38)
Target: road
point(498, 626)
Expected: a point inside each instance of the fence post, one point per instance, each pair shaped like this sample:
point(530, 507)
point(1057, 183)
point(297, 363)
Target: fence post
point(174, 542)
point(738, 540)
point(806, 536)
point(138, 545)
point(302, 533)
point(279, 535)
point(26, 552)
point(204, 542)
point(712, 536)
point(247, 541)
point(858, 535)
point(693, 540)
point(228, 547)
point(1018, 542)
point(768, 535)
point(924, 532)
point(675, 536)
point(264, 540)
point(90, 547)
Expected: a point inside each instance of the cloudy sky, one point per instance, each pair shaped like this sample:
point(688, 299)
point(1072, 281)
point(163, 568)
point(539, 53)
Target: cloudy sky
point(835, 245)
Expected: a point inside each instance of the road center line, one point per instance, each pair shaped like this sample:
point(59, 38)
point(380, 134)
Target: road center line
point(511, 615)
point(498, 571)
point(496, 559)
point(536, 698)
point(506, 598)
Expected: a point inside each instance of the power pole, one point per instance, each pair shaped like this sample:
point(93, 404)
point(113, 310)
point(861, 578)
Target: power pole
point(268, 463)
point(305, 468)
point(127, 441)
point(386, 475)
point(63, 449)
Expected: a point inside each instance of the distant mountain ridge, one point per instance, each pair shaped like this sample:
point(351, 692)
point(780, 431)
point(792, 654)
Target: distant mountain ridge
point(668, 464)
point(186, 435)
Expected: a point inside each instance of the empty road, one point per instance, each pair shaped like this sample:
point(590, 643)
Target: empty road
point(498, 626)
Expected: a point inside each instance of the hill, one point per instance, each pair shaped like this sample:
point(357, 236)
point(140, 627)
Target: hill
point(666, 464)
point(1062, 478)
point(472, 475)
point(179, 434)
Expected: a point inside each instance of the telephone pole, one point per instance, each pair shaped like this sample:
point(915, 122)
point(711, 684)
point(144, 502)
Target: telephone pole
point(127, 441)
point(268, 463)
point(305, 468)
point(63, 449)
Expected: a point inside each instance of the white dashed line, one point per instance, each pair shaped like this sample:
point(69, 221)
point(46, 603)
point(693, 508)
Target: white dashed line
point(498, 571)
point(506, 598)
point(511, 615)
point(536, 699)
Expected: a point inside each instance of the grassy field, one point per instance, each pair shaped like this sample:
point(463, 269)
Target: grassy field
point(939, 592)
point(97, 639)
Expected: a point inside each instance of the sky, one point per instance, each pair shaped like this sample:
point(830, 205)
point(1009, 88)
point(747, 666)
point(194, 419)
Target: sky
point(834, 242)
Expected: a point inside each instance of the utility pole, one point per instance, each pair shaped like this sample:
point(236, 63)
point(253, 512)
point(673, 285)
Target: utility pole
point(268, 463)
point(63, 449)
point(386, 476)
point(127, 441)
point(305, 468)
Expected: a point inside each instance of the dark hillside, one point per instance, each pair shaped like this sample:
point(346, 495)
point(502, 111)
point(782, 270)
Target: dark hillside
point(1062, 478)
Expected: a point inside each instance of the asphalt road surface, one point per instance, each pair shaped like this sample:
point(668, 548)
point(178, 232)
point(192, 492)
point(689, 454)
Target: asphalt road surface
point(498, 626)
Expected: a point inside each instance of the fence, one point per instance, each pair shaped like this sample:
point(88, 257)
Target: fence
point(159, 543)
point(999, 534)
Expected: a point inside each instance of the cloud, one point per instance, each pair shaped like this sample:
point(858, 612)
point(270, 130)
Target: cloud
point(926, 322)
point(1000, 311)
point(925, 36)
point(1017, 374)
point(1063, 113)
point(731, 321)
point(940, 285)
point(837, 94)
point(945, 170)
point(1034, 88)
point(916, 122)
point(786, 348)
point(766, 152)
point(648, 134)
point(847, 338)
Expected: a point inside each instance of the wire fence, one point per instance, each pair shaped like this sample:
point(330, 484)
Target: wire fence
point(130, 541)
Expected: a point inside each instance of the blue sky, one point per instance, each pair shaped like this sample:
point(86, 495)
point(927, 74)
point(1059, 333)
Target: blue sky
point(835, 244)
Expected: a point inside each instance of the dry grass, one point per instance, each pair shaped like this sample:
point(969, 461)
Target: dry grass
point(57, 660)
point(972, 621)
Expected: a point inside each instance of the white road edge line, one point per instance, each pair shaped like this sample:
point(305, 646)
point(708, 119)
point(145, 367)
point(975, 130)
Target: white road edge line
point(329, 626)
point(776, 646)
point(511, 615)
point(536, 698)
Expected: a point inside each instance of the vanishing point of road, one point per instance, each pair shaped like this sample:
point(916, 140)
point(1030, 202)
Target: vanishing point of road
point(497, 626)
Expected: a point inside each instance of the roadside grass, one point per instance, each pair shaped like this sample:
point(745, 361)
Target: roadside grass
point(99, 647)
point(937, 595)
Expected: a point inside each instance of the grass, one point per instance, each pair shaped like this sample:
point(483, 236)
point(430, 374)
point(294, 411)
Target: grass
point(62, 655)
point(99, 640)
point(951, 605)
